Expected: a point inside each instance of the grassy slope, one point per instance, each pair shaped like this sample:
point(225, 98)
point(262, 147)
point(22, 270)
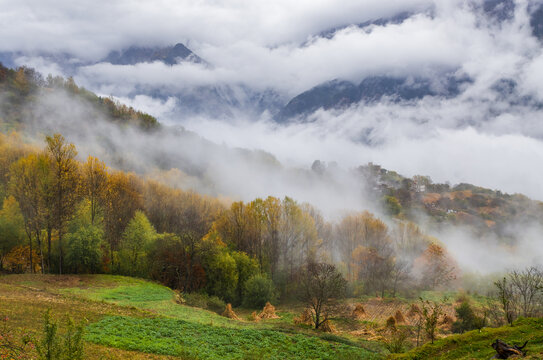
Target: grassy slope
point(476, 345)
point(132, 314)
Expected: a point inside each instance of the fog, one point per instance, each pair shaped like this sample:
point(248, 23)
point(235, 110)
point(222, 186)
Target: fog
point(489, 135)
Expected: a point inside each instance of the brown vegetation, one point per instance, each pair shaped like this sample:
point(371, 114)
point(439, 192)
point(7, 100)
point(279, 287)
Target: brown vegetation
point(229, 312)
point(399, 317)
point(306, 317)
point(268, 312)
point(359, 312)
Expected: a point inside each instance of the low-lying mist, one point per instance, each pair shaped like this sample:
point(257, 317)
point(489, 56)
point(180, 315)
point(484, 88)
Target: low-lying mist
point(242, 161)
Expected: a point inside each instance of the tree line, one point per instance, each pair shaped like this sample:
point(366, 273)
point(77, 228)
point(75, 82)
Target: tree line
point(60, 215)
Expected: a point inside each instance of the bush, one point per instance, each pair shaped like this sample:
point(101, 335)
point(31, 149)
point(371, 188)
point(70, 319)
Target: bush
point(204, 301)
point(54, 347)
point(259, 289)
point(467, 319)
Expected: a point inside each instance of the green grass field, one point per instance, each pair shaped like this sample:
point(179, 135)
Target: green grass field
point(141, 318)
point(138, 319)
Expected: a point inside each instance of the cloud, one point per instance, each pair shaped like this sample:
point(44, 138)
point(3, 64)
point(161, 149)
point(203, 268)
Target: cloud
point(91, 28)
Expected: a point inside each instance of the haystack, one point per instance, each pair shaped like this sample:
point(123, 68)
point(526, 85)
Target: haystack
point(391, 323)
point(306, 317)
point(254, 317)
point(268, 312)
point(178, 298)
point(229, 313)
point(414, 310)
point(359, 312)
point(399, 317)
point(327, 326)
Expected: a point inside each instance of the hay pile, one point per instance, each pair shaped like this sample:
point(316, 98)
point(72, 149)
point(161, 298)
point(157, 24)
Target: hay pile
point(391, 323)
point(254, 317)
point(178, 298)
point(327, 326)
point(229, 313)
point(414, 310)
point(399, 317)
point(306, 317)
point(268, 312)
point(359, 312)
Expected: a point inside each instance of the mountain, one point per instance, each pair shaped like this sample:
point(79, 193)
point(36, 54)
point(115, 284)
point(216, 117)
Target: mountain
point(170, 55)
point(340, 94)
point(383, 21)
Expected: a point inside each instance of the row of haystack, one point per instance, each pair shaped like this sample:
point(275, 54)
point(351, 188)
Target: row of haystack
point(268, 312)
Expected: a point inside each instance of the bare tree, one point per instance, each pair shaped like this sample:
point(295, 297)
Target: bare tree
point(528, 284)
point(506, 299)
point(320, 283)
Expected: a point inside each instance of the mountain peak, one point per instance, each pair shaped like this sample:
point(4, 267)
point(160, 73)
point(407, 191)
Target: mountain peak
point(170, 55)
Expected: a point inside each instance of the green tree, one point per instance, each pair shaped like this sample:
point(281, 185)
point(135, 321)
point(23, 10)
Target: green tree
point(85, 241)
point(259, 289)
point(392, 205)
point(246, 267)
point(222, 275)
point(135, 243)
point(466, 319)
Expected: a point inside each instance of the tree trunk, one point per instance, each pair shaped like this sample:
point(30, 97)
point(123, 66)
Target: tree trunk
point(40, 250)
point(504, 351)
point(31, 263)
point(61, 254)
point(49, 230)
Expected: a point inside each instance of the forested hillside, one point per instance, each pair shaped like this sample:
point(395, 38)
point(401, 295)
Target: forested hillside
point(20, 88)
point(482, 210)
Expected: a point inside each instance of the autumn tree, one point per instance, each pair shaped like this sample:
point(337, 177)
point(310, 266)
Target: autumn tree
point(319, 284)
point(366, 248)
point(11, 227)
point(172, 265)
point(65, 180)
point(436, 267)
point(297, 236)
point(123, 199)
point(270, 242)
point(25, 187)
point(94, 181)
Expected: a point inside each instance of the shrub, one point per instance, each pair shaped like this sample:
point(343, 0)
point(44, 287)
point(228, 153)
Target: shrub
point(204, 301)
point(53, 347)
point(259, 289)
point(467, 319)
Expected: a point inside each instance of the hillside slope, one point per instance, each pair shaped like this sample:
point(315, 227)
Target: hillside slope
point(476, 345)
